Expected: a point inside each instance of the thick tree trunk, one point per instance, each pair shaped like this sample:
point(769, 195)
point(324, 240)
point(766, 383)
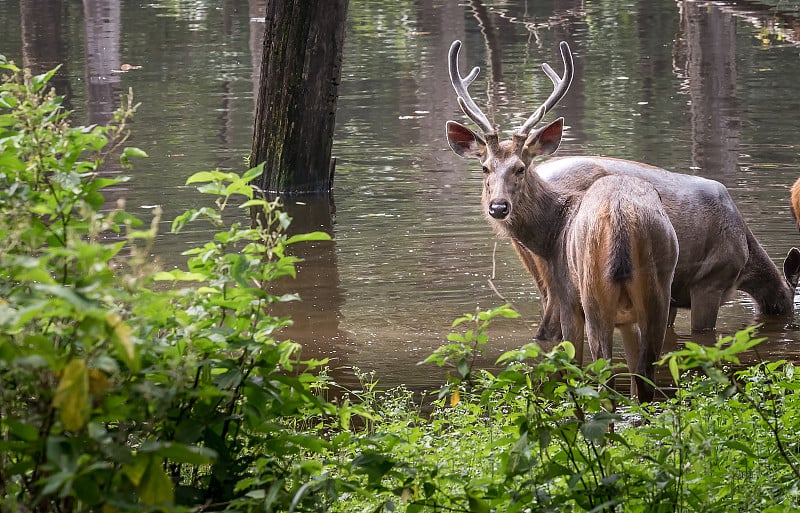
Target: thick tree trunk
point(295, 113)
point(103, 21)
point(43, 44)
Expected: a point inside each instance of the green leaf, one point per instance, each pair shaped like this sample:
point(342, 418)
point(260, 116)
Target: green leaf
point(740, 446)
point(374, 465)
point(586, 392)
point(22, 430)
point(673, 370)
point(80, 302)
point(129, 152)
point(39, 81)
point(213, 188)
point(255, 203)
point(568, 348)
point(596, 428)
point(239, 187)
point(87, 489)
point(253, 173)
point(121, 336)
point(203, 177)
point(518, 459)
point(179, 275)
point(463, 368)
point(189, 454)
point(305, 237)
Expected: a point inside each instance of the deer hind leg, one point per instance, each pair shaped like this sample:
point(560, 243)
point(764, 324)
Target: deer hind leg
point(600, 333)
point(653, 328)
point(631, 340)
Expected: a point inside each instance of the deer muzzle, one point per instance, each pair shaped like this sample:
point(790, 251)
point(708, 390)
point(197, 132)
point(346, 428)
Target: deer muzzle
point(499, 209)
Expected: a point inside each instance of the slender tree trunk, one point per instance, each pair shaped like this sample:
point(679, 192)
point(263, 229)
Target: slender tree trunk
point(295, 113)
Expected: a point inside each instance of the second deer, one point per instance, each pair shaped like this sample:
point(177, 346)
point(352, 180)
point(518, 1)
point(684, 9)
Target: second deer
point(621, 251)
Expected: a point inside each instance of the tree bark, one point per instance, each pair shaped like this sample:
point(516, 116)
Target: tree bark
point(43, 44)
point(103, 22)
point(296, 108)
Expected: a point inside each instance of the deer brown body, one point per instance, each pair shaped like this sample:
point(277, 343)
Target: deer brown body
point(621, 250)
point(534, 206)
point(719, 254)
point(795, 193)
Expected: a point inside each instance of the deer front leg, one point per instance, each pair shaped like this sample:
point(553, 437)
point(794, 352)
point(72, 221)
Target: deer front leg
point(705, 308)
point(550, 327)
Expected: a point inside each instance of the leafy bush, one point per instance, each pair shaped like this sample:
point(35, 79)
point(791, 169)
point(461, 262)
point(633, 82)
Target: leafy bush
point(117, 392)
point(545, 435)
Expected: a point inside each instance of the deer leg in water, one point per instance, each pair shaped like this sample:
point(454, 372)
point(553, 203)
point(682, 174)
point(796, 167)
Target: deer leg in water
point(653, 332)
point(631, 339)
point(600, 334)
point(550, 327)
point(705, 308)
point(572, 328)
point(673, 312)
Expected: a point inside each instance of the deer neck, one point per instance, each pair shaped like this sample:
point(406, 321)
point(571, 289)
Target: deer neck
point(538, 217)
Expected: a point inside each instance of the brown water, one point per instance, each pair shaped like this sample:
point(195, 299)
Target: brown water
point(702, 88)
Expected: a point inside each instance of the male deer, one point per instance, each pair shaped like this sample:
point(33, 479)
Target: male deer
point(535, 206)
point(621, 252)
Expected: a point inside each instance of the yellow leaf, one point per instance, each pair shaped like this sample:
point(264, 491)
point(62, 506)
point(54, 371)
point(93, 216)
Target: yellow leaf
point(156, 486)
point(98, 383)
point(135, 472)
point(455, 398)
point(121, 336)
point(72, 395)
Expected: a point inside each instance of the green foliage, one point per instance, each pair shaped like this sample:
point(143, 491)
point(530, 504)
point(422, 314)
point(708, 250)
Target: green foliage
point(126, 388)
point(463, 348)
point(542, 435)
point(117, 392)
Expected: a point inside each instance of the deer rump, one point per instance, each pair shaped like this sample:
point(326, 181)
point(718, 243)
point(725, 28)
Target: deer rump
point(718, 252)
point(621, 251)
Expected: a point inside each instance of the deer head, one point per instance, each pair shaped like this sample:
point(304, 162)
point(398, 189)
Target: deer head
point(505, 162)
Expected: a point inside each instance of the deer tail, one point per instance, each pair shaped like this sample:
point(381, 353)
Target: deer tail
point(620, 261)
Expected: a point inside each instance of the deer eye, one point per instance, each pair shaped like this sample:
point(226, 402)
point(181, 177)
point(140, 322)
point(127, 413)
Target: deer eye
point(485, 170)
point(520, 169)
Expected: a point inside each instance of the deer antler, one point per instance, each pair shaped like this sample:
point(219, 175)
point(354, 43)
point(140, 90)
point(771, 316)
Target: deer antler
point(460, 85)
point(561, 86)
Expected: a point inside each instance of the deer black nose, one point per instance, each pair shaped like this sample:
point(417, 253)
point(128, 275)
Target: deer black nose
point(499, 209)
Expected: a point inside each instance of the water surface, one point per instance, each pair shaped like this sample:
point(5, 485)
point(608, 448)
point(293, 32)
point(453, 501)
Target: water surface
point(696, 87)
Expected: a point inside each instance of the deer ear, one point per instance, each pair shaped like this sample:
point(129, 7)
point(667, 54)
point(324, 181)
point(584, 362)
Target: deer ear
point(791, 267)
point(464, 141)
point(545, 140)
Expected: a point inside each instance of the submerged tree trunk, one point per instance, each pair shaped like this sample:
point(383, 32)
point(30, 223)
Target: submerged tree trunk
point(295, 113)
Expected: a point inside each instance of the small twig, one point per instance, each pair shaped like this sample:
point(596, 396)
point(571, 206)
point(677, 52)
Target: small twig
point(491, 279)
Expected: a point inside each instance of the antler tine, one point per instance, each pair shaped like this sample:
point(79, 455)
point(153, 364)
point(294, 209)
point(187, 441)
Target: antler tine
point(561, 86)
point(460, 85)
